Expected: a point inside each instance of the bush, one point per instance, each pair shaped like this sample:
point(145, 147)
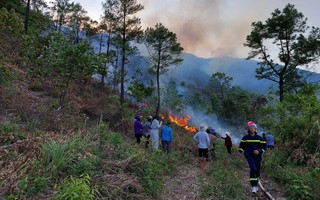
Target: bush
point(76, 188)
point(300, 183)
point(5, 76)
point(71, 156)
point(32, 185)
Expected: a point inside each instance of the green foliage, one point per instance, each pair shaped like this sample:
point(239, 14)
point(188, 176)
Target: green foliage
point(8, 128)
point(286, 30)
point(222, 180)
point(33, 185)
point(76, 188)
point(299, 183)
point(164, 52)
point(298, 190)
point(140, 91)
point(295, 121)
point(71, 156)
point(67, 61)
point(12, 20)
point(171, 99)
point(6, 76)
point(151, 168)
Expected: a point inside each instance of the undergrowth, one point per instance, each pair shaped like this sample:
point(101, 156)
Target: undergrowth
point(299, 182)
point(222, 178)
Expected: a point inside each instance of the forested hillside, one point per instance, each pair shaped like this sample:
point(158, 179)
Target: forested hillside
point(67, 114)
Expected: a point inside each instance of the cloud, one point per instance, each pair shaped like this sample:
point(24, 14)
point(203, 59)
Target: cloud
point(215, 28)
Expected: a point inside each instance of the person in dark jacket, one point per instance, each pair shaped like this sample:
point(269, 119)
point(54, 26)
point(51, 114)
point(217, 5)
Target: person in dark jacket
point(138, 128)
point(147, 130)
point(228, 142)
point(253, 146)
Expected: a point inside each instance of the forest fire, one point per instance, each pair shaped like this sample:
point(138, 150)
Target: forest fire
point(182, 121)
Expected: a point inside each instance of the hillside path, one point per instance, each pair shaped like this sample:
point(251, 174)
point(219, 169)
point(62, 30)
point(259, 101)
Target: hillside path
point(184, 184)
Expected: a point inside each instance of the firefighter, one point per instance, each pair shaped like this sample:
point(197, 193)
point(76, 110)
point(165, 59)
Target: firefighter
point(253, 146)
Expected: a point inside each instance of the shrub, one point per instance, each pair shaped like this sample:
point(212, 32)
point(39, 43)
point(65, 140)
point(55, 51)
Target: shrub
point(5, 76)
point(70, 156)
point(76, 188)
point(32, 185)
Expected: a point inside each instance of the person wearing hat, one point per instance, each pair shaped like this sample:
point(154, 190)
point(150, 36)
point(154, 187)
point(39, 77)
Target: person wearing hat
point(166, 137)
point(138, 128)
point(147, 130)
point(203, 141)
point(228, 142)
point(253, 146)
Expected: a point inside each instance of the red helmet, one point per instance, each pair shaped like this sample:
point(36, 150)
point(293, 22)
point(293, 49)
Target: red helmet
point(251, 125)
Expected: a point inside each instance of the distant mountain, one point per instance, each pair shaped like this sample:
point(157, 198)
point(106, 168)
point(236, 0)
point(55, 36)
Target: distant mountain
point(242, 71)
point(197, 71)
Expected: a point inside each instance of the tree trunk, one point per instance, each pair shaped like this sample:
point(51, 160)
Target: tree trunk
point(123, 58)
point(158, 89)
point(281, 88)
point(26, 17)
point(122, 76)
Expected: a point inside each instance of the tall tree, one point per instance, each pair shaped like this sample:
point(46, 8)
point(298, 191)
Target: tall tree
point(171, 97)
point(76, 20)
point(107, 27)
point(26, 17)
point(164, 51)
point(67, 62)
point(219, 84)
point(60, 8)
point(129, 28)
point(286, 30)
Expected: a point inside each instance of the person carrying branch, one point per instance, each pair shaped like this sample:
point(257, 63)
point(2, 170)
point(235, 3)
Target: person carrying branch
point(253, 146)
point(228, 142)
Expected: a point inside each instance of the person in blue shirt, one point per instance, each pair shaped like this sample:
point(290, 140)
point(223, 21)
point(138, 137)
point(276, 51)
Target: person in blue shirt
point(270, 141)
point(253, 146)
point(166, 136)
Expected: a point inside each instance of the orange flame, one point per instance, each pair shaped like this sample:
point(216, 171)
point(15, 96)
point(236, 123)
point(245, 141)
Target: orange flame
point(182, 121)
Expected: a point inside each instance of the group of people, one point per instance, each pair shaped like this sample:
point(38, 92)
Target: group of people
point(252, 145)
point(150, 130)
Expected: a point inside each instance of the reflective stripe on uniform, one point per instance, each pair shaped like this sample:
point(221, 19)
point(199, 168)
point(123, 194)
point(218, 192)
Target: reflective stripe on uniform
point(251, 141)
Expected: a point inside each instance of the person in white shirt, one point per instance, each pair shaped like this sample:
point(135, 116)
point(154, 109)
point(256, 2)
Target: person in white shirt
point(203, 141)
point(154, 133)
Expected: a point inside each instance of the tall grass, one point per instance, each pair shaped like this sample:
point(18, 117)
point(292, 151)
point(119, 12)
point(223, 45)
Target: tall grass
point(149, 166)
point(72, 156)
point(299, 182)
point(222, 179)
